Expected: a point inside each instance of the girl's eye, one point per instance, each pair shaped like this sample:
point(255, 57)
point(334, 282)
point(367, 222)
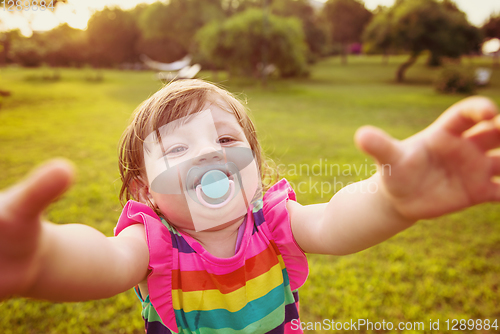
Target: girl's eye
point(176, 150)
point(225, 140)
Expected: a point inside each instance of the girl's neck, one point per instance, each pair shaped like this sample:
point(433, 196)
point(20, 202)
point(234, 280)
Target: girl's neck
point(219, 241)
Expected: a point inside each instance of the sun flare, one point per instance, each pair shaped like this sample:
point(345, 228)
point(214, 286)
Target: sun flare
point(75, 13)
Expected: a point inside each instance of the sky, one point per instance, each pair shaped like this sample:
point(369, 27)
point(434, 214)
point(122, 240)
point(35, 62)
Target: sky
point(77, 12)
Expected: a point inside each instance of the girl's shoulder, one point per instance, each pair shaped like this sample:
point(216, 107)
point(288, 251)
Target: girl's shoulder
point(160, 255)
point(280, 192)
point(274, 205)
point(134, 213)
point(277, 221)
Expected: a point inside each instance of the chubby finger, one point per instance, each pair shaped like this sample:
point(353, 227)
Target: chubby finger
point(466, 113)
point(495, 163)
point(378, 144)
point(28, 199)
point(486, 135)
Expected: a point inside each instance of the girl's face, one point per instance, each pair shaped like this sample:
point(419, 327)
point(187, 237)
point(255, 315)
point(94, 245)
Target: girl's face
point(200, 142)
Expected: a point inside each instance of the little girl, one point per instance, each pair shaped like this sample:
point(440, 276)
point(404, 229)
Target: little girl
point(205, 251)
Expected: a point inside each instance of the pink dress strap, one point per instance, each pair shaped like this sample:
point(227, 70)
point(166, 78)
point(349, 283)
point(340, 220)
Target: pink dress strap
point(278, 222)
point(160, 258)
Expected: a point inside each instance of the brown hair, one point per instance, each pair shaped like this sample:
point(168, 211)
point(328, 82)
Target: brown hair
point(174, 101)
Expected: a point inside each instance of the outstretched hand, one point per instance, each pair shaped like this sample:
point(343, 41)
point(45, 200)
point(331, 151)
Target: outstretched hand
point(21, 236)
point(446, 167)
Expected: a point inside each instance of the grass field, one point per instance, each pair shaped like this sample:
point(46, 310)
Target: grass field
point(448, 268)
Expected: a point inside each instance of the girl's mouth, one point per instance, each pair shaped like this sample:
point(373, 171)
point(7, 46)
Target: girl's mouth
point(197, 180)
point(213, 186)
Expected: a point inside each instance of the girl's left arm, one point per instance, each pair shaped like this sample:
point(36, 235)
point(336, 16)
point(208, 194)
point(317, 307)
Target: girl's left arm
point(447, 167)
point(353, 220)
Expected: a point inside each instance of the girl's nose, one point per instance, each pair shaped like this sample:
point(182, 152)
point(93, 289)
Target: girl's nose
point(208, 155)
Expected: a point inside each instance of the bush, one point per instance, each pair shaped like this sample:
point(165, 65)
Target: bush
point(453, 80)
point(237, 44)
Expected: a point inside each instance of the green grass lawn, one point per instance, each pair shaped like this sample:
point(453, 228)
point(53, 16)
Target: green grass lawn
point(448, 268)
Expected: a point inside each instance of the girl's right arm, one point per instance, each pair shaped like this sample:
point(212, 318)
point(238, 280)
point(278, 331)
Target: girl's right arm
point(62, 262)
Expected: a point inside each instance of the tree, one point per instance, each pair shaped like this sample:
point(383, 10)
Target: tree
point(112, 35)
point(7, 39)
point(302, 9)
point(65, 46)
point(469, 40)
point(418, 25)
point(15, 47)
point(156, 38)
point(27, 52)
point(176, 23)
point(238, 42)
point(379, 32)
point(491, 29)
point(163, 48)
point(346, 21)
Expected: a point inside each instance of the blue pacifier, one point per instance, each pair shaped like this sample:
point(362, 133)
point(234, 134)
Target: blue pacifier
point(214, 184)
point(214, 188)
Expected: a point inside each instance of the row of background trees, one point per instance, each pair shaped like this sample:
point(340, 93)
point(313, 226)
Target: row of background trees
point(242, 35)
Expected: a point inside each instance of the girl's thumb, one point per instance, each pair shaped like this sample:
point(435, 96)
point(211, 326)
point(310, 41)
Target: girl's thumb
point(378, 144)
point(29, 198)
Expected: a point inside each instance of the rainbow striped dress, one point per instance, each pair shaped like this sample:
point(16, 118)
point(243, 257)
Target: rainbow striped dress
point(254, 291)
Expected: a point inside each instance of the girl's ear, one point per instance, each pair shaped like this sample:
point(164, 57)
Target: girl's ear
point(140, 191)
